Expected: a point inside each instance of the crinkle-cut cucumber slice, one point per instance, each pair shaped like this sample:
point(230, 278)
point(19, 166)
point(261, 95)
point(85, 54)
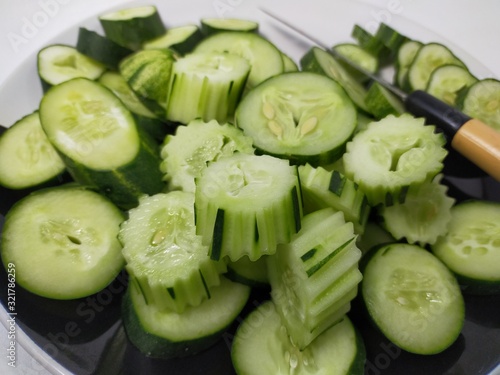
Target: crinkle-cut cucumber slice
point(63, 242)
point(319, 61)
point(187, 153)
point(247, 205)
point(482, 101)
point(131, 27)
point(322, 188)
point(471, 248)
point(413, 298)
point(27, 158)
point(423, 216)
point(429, 57)
point(447, 80)
point(164, 256)
point(300, 116)
point(262, 346)
point(168, 334)
point(263, 56)
point(315, 276)
point(393, 154)
point(206, 85)
point(181, 39)
point(58, 63)
point(148, 74)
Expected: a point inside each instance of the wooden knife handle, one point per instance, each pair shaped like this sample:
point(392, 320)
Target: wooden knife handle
point(480, 144)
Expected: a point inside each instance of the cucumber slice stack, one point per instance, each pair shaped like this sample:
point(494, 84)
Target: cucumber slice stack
point(165, 258)
point(315, 276)
point(247, 205)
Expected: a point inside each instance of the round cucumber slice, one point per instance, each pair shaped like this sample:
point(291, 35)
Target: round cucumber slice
point(482, 101)
point(63, 242)
point(413, 298)
point(301, 116)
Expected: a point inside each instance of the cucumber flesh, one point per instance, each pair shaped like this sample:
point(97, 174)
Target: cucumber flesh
point(265, 348)
point(64, 253)
point(413, 298)
point(181, 39)
point(482, 101)
point(214, 25)
point(382, 103)
point(164, 255)
point(447, 80)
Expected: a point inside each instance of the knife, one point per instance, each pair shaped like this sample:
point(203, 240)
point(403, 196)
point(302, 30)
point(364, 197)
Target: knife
point(471, 137)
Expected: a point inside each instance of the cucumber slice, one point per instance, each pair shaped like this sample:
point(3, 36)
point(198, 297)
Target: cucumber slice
point(63, 242)
point(447, 80)
point(382, 103)
point(315, 276)
point(206, 85)
point(289, 64)
point(247, 272)
point(148, 74)
point(144, 118)
point(393, 154)
point(100, 142)
point(100, 48)
point(374, 235)
point(406, 54)
point(413, 298)
point(27, 159)
point(58, 63)
point(181, 39)
point(322, 188)
point(304, 117)
point(482, 101)
point(215, 25)
point(429, 57)
point(247, 205)
point(358, 56)
point(261, 346)
point(164, 255)
point(392, 39)
point(319, 61)
point(423, 217)
point(131, 27)
point(372, 45)
point(471, 248)
point(264, 58)
point(167, 334)
point(187, 153)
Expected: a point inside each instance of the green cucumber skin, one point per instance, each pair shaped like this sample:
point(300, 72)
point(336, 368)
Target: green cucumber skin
point(124, 185)
point(100, 48)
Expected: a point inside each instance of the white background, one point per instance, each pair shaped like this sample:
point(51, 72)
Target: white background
point(26, 25)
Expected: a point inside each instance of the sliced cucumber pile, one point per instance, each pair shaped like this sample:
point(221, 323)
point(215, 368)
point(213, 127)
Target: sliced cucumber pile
point(205, 162)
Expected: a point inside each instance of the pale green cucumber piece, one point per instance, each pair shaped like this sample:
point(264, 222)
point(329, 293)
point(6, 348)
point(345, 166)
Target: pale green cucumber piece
point(27, 159)
point(148, 74)
point(289, 65)
point(392, 154)
point(315, 276)
point(322, 188)
point(471, 248)
point(181, 39)
point(447, 80)
point(247, 272)
point(247, 205)
point(374, 235)
point(429, 57)
point(164, 255)
point(301, 116)
point(319, 61)
point(58, 63)
point(264, 58)
point(131, 27)
point(405, 56)
point(261, 346)
point(215, 25)
point(413, 298)
point(423, 217)
point(167, 334)
point(206, 85)
point(99, 141)
point(482, 101)
point(358, 56)
point(381, 102)
point(63, 242)
point(187, 153)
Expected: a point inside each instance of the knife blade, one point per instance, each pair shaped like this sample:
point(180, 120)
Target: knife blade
point(471, 137)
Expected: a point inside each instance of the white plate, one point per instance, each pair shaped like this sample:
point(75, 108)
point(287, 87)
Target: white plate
point(329, 21)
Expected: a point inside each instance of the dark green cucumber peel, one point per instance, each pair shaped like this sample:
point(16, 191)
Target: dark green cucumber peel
point(296, 207)
point(311, 271)
point(337, 183)
point(216, 248)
